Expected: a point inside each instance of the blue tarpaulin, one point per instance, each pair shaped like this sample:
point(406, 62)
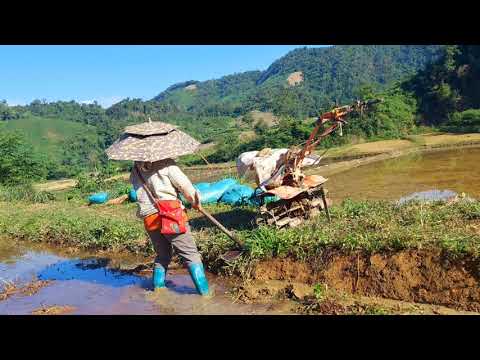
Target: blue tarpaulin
point(237, 195)
point(98, 198)
point(229, 191)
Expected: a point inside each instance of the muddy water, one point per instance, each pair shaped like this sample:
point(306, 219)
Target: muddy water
point(450, 170)
point(91, 286)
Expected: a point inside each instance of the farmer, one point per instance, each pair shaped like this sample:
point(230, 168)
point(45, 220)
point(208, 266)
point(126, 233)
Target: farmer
point(158, 181)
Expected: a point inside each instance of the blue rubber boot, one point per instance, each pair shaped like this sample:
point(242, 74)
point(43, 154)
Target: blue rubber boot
point(199, 279)
point(158, 277)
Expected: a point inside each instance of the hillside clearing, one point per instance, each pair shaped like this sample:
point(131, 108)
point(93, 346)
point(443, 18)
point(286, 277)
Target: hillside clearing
point(47, 135)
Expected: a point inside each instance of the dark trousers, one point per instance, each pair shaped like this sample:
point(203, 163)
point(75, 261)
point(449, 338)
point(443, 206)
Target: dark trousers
point(183, 244)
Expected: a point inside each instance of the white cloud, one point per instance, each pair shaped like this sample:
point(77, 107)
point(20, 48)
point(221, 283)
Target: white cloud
point(16, 102)
point(87, 102)
point(108, 101)
point(104, 101)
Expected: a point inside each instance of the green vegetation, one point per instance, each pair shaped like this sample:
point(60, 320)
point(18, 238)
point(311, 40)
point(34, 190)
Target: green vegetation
point(69, 224)
point(25, 193)
point(376, 226)
point(467, 121)
point(330, 74)
point(448, 85)
point(367, 226)
point(19, 163)
point(47, 135)
point(433, 86)
point(71, 147)
point(320, 291)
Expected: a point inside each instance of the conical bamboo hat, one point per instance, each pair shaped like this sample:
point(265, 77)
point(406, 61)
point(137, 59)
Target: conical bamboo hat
point(150, 142)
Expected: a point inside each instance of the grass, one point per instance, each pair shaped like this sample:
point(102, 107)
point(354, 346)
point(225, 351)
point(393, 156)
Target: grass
point(25, 193)
point(70, 223)
point(369, 226)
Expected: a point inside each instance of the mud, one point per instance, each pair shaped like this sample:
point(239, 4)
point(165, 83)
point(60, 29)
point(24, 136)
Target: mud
point(86, 283)
point(304, 301)
point(391, 179)
point(10, 288)
point(54, 310)
point(414, 276)
point(372, 306)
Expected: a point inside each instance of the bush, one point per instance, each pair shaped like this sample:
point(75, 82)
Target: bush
point(19, 164)
point(467, 121)
point(88, 184)
point(25, 193)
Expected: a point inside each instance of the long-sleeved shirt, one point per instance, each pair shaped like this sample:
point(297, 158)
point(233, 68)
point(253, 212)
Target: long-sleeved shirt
point(166, 180)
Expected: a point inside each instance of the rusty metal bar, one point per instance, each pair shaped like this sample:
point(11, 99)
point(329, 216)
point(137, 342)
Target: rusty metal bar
point(322, 191)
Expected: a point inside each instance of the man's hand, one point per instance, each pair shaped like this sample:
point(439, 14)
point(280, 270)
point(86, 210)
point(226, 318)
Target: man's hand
point(196, 204)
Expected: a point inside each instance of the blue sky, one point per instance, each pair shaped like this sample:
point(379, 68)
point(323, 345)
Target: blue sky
point(110, 73)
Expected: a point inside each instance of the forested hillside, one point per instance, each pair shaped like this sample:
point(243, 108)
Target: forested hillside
point(325, 75)
point(437, 86)
point(448, 90)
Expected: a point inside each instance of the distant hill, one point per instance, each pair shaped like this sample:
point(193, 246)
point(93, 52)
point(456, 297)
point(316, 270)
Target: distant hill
point(299, 83)
point(65, 144)
point(253, 109)
point(47, 135)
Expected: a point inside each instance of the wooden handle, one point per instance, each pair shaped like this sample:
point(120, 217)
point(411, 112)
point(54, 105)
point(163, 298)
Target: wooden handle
point(221, 227)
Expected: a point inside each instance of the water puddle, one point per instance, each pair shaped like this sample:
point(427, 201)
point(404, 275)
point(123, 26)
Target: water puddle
point(87, 285)
point(429, 196)
point(453, 170)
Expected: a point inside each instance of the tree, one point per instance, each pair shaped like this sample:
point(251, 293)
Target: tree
point(19, 164)
point(82, 152)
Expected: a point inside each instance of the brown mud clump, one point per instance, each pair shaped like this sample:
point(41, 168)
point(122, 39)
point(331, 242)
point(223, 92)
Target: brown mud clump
point(33, 287)
point(54, 310)
point(419, 276)
point(9, 289)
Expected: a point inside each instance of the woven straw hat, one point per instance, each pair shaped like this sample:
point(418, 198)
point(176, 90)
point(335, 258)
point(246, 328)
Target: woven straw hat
point(152, 141)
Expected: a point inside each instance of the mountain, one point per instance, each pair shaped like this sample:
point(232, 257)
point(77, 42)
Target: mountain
point(254, 109)
point(300, 83)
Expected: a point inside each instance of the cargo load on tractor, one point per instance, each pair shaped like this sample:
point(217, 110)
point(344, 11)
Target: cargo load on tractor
point(278, 172)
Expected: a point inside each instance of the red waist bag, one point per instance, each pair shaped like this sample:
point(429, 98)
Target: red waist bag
point(173, 218)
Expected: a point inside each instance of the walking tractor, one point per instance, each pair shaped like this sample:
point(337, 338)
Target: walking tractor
point(298, 196)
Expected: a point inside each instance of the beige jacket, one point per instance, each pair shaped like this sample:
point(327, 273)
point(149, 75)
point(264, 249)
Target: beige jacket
point(166, 180)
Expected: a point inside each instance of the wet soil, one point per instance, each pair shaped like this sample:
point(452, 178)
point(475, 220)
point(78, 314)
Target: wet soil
point(53, 310)
point(455, 170)
point(40, 280)
point(419, 276)
point(413, 281)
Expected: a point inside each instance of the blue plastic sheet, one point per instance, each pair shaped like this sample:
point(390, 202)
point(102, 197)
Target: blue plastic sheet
point(211, 192)
point(237, 195)
point(98, 198)
point(132, 195)
point(201, 186)
point(229, 191)
point(255, 200)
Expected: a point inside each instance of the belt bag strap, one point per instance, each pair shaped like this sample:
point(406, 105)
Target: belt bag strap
point(172, 222)
point(150, 193)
